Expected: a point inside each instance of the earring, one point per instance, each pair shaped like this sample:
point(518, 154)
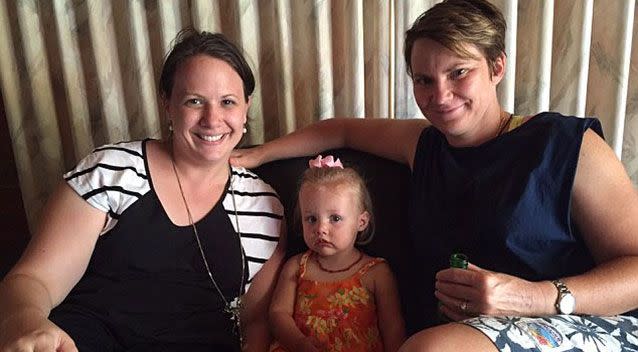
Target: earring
point(170, 129)
point(245, 130)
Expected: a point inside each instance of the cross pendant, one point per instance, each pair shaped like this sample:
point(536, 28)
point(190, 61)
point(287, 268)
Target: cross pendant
point(233, 308)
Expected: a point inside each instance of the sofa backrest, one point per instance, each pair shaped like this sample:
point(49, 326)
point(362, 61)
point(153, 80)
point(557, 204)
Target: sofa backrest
point(388, 182)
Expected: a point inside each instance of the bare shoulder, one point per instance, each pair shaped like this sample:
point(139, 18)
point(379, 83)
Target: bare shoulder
point(383, 272)
point(378, 276)
point(292, 265)
point(596, 158)
point(604, 201)
point(599, 175)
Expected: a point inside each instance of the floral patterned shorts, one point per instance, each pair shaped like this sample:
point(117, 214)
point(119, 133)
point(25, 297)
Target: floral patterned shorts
point(560, 333)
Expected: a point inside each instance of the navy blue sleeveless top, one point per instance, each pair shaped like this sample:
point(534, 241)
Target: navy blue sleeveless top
point(505, 203)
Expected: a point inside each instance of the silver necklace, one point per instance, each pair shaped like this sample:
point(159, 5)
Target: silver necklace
point(232, 308)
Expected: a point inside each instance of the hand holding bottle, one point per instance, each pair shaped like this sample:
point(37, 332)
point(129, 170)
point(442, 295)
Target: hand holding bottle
point(475, 291)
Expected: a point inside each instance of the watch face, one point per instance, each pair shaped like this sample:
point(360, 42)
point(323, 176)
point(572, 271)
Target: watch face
point(567, 304)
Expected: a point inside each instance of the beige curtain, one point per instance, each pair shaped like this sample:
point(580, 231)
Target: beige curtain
point(75, 74)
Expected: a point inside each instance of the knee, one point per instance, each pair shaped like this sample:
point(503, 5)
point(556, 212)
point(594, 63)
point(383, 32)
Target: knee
point(449, 337)
point(425, 340)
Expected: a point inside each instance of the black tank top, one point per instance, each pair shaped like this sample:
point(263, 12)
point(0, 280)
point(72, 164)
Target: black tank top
point(147, 281)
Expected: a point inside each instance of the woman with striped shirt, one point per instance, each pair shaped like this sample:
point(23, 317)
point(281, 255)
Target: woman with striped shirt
point(157, 244)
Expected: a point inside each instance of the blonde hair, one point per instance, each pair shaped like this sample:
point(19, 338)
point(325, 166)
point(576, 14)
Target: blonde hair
point(346, 176)
point(456, 23)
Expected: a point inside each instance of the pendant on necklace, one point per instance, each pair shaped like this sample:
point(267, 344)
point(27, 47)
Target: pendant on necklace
point(233, 308)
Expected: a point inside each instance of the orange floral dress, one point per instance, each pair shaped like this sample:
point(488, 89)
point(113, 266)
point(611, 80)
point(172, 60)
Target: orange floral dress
point(341, 314)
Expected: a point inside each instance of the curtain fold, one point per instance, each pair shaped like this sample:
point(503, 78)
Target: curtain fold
point(570, 69)
point(75, 74)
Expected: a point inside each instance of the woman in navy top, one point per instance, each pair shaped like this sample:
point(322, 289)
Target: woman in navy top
point(540, 204)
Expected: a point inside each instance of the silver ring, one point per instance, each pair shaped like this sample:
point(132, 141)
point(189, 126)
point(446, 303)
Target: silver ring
point(463, 306)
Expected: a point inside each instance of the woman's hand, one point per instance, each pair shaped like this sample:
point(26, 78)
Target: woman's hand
point(248, 158)
point(41, 335)
point(470, 292)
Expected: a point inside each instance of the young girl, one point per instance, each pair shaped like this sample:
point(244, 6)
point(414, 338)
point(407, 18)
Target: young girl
point(334, 297)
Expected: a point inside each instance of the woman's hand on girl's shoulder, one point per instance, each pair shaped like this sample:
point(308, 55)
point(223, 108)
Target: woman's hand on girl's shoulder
point(248, 157)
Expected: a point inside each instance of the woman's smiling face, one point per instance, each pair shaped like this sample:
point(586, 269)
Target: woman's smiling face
point(453, 92)
point(207, 109)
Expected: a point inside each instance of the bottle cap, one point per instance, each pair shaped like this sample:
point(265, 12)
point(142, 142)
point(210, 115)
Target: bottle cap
point(458, 260)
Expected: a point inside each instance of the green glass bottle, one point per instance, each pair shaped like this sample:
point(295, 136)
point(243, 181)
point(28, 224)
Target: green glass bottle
point(457, 260)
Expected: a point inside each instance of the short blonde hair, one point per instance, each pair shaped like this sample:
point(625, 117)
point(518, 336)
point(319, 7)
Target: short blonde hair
point(346, 176)
point(456, 23)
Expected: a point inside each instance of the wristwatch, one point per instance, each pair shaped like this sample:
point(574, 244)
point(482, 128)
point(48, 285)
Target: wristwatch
point(565, 302)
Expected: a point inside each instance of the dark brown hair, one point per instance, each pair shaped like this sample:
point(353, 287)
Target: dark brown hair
point(189, 43)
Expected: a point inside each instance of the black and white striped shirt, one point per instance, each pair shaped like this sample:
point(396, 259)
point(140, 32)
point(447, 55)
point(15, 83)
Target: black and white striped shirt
point(114, 177)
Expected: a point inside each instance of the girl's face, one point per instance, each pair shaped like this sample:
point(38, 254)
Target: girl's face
point(332, 215)
point(455, 94)
point(207, 109)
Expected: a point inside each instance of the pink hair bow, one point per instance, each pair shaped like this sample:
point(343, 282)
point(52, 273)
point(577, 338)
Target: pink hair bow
point(328, 161)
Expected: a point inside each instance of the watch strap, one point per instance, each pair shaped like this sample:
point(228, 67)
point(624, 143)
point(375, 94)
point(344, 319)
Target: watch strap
point(562, 291)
